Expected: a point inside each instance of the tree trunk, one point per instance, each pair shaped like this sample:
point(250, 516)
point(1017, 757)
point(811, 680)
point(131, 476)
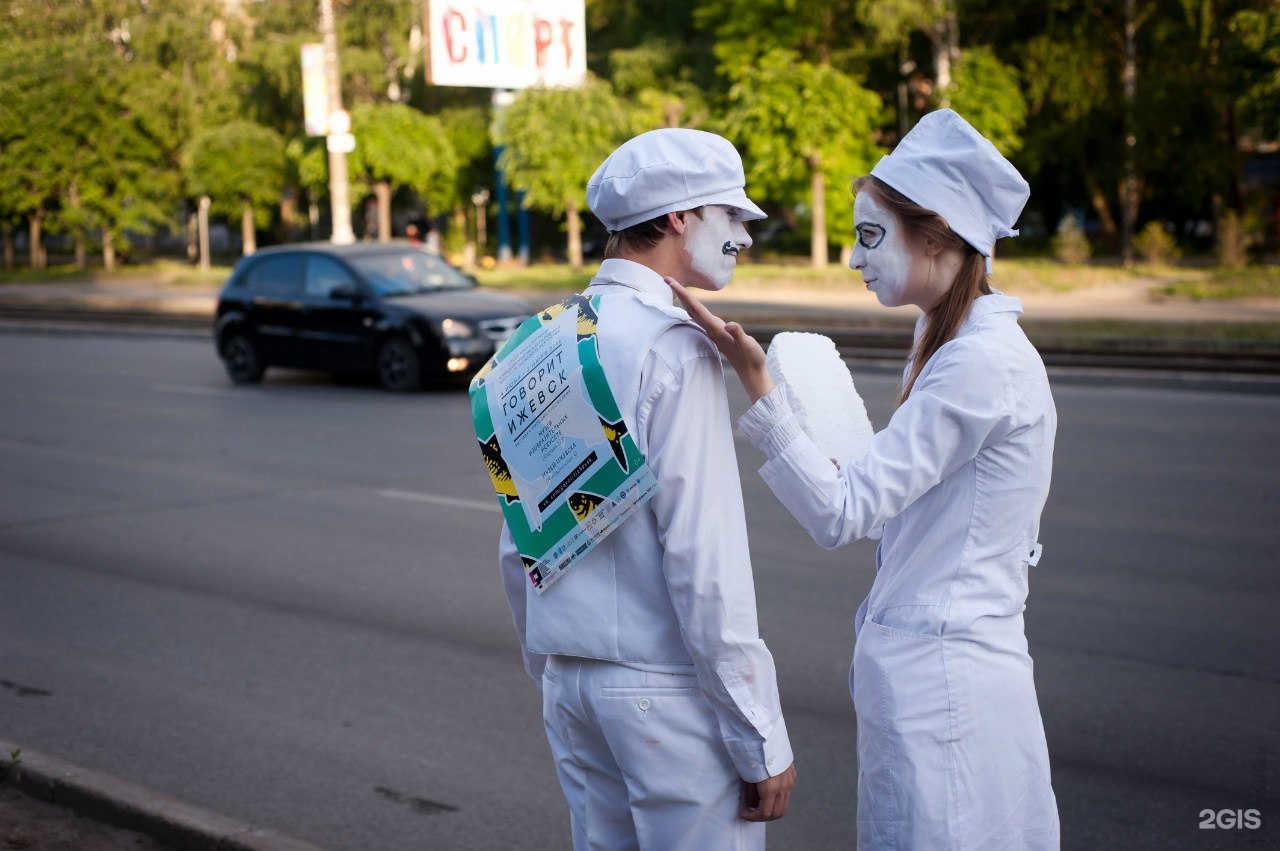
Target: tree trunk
point(944, 35)
point(202, 227)
point(313, 215)
point(73, 196)
point(468, 245)
point(818, 239)
point(905, 67)
point(846, 254)
point(246, 230)
point(1129, 185)
point(35, 247)
point(193, 235)
point(108, 251)
point(6, 235)
point(575, 235)
point(382, 191)
point(289, 213)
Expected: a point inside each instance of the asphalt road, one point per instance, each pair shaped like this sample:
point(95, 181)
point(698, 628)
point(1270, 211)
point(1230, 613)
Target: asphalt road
point(281, 603)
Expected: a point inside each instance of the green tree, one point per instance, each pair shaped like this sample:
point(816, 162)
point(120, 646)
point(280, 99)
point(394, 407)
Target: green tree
point(746, 31)
point(467, 128)
point(799, 124)
point(988, 94)
point(239, 167)
point(553, 140)
point(396, 145)
point(123, 75)
point(308, 166)
point(893, 21)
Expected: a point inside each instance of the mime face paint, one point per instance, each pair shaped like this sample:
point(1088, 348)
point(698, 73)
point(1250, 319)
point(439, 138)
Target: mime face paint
point(888, 261)
point(713, 243)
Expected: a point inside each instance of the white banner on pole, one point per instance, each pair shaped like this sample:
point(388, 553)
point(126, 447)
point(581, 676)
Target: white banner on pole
point(315, 91)
point(506, 44)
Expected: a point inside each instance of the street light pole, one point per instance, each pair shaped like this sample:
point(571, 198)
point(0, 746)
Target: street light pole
point(339, 193)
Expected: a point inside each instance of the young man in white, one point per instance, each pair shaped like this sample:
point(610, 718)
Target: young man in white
point(660, 700)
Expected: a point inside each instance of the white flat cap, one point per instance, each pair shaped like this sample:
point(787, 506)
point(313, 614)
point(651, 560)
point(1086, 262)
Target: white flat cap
point(946, 166)
point(664, 171)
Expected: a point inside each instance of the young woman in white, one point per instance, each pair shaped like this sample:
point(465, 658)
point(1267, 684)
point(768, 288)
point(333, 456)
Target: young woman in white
point(951, 748)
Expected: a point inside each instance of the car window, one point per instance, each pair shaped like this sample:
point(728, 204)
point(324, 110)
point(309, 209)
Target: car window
point(324, 275)
point(280, 276)
point(408, 271)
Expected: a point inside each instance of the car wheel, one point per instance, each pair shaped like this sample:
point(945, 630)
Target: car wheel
point(240, 357)
point(398, 366)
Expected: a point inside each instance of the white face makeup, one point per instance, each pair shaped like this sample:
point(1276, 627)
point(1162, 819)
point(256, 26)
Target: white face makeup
point(882, 253)
point(713, 243)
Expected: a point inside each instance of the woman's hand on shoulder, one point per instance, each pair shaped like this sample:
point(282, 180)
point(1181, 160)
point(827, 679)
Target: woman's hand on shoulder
point(743, 352)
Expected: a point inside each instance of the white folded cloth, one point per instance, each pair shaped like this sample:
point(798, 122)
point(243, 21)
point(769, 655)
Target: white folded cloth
point(822, 395)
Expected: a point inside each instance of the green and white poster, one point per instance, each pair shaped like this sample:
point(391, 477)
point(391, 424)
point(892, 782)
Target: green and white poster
point(565, 467)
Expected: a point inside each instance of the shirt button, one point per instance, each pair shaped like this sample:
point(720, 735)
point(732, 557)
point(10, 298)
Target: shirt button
point(644, 704)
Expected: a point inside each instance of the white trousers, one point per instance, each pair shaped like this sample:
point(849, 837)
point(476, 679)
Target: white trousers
point(641, 761)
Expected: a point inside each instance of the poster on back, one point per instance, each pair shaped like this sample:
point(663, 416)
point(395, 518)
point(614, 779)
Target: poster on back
point(563, 463)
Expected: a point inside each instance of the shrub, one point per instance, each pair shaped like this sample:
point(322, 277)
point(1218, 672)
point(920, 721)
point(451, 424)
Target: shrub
point(1233, 241)
point(1156, 245)
point(1070, 245)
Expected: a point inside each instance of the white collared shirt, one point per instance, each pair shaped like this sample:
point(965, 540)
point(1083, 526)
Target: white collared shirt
point(673, 585)
point(959, 478)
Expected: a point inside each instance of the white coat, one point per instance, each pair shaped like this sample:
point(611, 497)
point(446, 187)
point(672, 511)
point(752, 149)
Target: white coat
point(951, 748)
point(660, 696)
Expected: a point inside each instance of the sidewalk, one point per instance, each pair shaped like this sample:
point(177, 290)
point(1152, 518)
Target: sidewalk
point(1117, 325)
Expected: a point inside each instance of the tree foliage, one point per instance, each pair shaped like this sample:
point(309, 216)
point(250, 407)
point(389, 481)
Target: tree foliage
point(399, 145)
point(237, 163)
point(807, 90)
point(792, 120)
point(988, 94)
point(553, 139)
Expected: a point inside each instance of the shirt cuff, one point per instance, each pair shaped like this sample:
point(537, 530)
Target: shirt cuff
point(761, 759)
point(770, 424)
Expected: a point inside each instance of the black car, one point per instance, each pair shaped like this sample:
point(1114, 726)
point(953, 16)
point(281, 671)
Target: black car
point(391, 309)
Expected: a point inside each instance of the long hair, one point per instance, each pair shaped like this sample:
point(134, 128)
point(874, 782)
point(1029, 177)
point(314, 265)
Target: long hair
point(944, 318)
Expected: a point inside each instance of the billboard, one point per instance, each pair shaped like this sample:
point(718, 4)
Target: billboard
point(506, 44)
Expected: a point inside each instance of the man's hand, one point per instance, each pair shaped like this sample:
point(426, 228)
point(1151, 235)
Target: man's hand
point(768, 799)
point(741, 349)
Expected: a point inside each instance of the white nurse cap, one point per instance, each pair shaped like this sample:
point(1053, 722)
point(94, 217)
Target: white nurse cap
point(946, 166)
point(664, 171)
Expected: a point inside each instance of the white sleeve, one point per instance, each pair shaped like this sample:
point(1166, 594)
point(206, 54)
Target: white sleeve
point(707, 563)
point(957, 407)
point(515, 581)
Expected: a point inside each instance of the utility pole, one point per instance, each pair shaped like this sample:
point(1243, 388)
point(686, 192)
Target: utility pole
point(339, 138)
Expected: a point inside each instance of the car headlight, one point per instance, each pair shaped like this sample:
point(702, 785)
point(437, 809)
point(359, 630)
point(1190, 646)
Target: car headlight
point(456, 329)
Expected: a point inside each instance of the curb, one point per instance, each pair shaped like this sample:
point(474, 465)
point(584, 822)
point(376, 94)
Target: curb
point(127, 805)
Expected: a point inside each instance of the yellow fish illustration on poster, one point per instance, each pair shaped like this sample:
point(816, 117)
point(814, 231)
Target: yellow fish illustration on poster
point(498, 470)
point(588, 319)
point(614, 432)
point(582, 504)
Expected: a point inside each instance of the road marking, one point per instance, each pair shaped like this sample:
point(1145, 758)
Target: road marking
point(439, 499)
point(195, 390)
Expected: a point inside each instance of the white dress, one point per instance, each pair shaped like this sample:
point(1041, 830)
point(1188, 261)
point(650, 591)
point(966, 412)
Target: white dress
point(951, 748)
